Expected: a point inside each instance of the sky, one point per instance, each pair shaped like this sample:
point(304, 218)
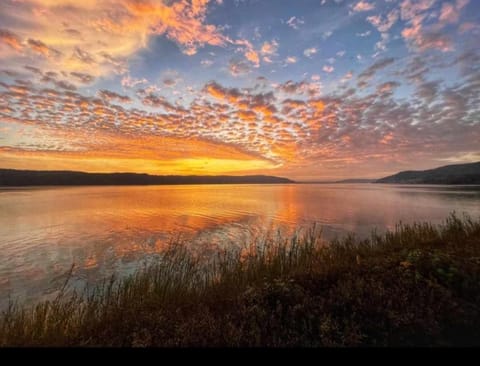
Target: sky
point(306, 89)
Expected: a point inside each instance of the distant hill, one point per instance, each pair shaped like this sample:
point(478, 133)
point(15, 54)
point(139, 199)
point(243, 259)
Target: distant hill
point(356, 180)
point(449, 174)
point(11, 177)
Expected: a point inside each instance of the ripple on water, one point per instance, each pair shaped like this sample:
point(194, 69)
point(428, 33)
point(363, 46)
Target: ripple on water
point(106, 230)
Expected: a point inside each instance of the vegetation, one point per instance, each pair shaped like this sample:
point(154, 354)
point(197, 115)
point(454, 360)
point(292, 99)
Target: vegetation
point(416, 285)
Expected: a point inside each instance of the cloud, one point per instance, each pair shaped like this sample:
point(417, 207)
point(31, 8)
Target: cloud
point(428, 91)
point(287, 127)
point(169, 82)
point(110, 96)
point(52, 110)
point(450, 13)
point(327, 34)
point(181, 21)
point(309, 52)
point(295, 22)
point(269, 48)
point(384, 25)
point(158, 101)
point(382, 44)
point(52, 77)
point(63, 84)
point(249, 51)
point(291, 87)
point(82, 77)
point(367, 74)
point(34, 70)
point(291, 60)
point(238, 67)
point(346, 77)
point(328, 68)
point(434, 40)
point(467, 27)
point(364, 34)
point(412, 9)
point(463, 157)
point(116, 64)
point(422, 38)
point(217, 91)
point(206, 63)
point(94, 28)
point(387, 87)
point(129, 82)
point(253, 57)
point(363, 6)
point(10, 39)
point(73, 32)
point(42, 49)
point(83, 56)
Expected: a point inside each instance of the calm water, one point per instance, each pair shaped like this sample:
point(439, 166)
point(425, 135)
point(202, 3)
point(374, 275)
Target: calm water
point(114, 229)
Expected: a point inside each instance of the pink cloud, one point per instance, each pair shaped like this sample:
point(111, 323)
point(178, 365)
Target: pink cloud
point(363, 6)
point(328, 68)
point(383, 25)
point(467, 27)
point(450, 13)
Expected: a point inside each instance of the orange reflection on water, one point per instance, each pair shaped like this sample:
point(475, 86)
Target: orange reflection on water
point(96, 226)
point(106, 229)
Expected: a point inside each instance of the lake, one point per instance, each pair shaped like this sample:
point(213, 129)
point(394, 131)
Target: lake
point(106, 230)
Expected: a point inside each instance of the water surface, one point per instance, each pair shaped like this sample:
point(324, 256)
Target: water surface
point(103, 230)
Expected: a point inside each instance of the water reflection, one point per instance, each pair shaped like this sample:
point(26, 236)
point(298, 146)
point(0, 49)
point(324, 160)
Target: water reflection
point(107, 229)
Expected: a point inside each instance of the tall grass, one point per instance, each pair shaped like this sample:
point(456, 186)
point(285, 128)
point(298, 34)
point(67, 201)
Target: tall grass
point(415, 285)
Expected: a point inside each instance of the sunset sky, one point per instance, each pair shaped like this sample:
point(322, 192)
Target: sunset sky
point(310, 90)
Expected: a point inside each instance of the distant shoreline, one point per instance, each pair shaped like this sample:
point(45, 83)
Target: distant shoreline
point(24, 178)
point(11, 187)
point(459, 174)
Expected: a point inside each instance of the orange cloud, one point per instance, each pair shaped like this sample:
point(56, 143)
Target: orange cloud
point(249, 51)
point(363, 6)
point(252, 56)
point(281, 128)
point(269, 48)
point(10, 39)
point(317, 105)
point(108, 152)
point(42, 49)
point(217, 91)
point(291, 60)
point(97, 35)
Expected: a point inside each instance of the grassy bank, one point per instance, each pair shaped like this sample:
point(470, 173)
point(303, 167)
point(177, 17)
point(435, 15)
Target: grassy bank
point(417, 285)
